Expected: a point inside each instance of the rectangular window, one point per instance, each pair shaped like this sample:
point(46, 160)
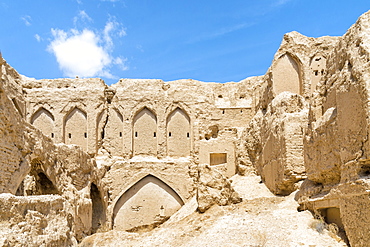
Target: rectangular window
point(217, 158)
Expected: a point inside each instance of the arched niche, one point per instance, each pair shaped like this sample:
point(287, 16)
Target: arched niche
point(75, 128)
point(44, 121)
point(317, 66)
point(149, 201)
point(145, 133)
point(178, 134)
point(286, 75)
point(114, 132)
point(98, 210)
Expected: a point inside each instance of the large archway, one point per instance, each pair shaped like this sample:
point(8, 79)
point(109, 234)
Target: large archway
point(145, 133)
point(44, 121)
point(178, 134)
point(149, 201)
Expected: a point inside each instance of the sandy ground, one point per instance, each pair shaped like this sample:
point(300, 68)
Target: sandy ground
point(262, 219)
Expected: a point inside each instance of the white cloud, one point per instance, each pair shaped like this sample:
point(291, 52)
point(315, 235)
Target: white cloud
point(27, 20)
point(37, 37)
point(82, 16)
point(87, 53)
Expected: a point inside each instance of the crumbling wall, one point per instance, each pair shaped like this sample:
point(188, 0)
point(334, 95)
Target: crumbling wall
point(31, 164)
point(274, 141)
point(336, 144)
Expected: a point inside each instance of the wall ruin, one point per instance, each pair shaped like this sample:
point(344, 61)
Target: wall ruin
point(105, 154)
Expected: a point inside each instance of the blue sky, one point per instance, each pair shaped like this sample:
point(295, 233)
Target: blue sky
point(205, 40)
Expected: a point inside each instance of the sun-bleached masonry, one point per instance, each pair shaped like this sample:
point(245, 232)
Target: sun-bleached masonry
point(129, 155)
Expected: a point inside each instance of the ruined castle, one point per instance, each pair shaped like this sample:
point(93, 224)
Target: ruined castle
point(87, 156)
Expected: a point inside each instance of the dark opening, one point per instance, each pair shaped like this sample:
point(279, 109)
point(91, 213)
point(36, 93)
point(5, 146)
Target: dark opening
point(85, 134)
point(223, 111)
point(135, 134)
point(69, 135)
point(52, 135)
point(102, 135)
point(220, 96)
point(120, 134)
point(97, 208)
point(316, 72)
point(169, 134)
point(44, 185)
point(155, 134)
point(188, 134)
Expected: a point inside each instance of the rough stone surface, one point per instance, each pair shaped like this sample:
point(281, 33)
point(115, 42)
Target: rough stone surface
point(214, 188)
point(79, 158)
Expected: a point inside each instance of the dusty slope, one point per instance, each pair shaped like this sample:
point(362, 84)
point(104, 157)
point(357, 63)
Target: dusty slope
point(262, 219)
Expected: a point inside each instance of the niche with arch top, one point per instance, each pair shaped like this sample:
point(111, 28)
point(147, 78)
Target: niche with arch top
point(148, 202)
point(144, 127)
point(75, 128)
point(44, 121)
point(286, 74)
point(98, 210)
point(178, 134)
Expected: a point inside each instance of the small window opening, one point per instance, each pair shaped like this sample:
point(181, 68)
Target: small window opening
point(135, 134)
point(223, 111)
point(169, 134)
point(241, 111)
point(69, 135)
point(220, 96)
point(322, 72)
point(85, 134)
point(52, 135)
point(155, 134)
point(120, 134)
point(188, 135)
point(316, 72)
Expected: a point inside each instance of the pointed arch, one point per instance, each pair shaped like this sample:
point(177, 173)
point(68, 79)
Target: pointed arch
point(178, 133)
point(44, 121)
point(75, 128)
point(286, 74)
point(144, 133)
point(148, 201)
